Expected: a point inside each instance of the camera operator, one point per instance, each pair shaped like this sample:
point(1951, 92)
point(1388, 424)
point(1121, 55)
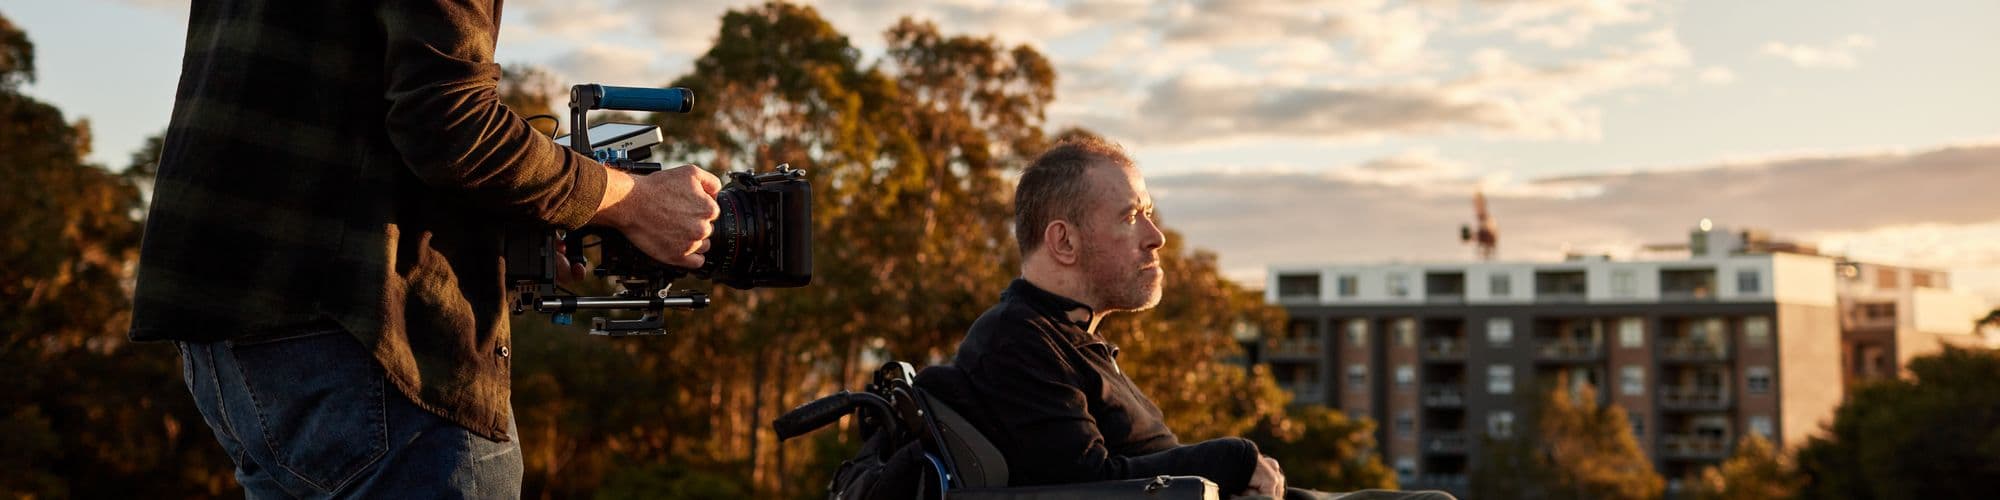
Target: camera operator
point(325, 242)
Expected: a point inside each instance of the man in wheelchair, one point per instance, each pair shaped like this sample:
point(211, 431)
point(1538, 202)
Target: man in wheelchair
point(1039, 380)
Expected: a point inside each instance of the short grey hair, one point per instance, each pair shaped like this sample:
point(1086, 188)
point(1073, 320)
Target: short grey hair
point(1054, 186)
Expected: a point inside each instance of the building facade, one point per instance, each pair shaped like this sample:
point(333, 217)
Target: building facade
point(1699, 351)
point(1890, 314)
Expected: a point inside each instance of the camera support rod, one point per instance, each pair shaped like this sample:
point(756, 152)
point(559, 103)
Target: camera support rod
point(573, 304)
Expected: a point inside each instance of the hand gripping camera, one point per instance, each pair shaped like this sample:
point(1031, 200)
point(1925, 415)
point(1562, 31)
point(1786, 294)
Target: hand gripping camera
point(763, 237)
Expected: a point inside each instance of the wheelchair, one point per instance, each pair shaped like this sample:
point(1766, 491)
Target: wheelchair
point(915, 445)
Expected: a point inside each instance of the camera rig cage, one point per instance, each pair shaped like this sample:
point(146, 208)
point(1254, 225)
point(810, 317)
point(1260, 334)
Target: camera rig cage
point(645, 285)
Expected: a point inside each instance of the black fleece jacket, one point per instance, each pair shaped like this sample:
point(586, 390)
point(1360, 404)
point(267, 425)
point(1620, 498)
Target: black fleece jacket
point(1052, 398)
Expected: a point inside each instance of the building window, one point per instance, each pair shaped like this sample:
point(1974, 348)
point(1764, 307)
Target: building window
point(1499, 331)
point(1632, 380)
point(1757, 331)
point(1687, 284)
point(1885, 278)
point(1623, 283)
point(1920, 279)
point(1758, 379)
point(1406, 424)
point(1761, 425)
point(1406, 332)
point(1399, 285)
point(1878, 311)
point(1298, 287)
point(1500, 424)
point(1357, 375)
point(1406, 375)
point(1749, 282)
point(1500, 379)
point(1631, 333)
point(1406, 470)
point(1500, 285)
point(1345, 285)
point(1357, 332)
point(1638, 425)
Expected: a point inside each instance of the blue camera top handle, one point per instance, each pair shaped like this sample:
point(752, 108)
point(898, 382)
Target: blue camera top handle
point(589, 96)
point(667, 100)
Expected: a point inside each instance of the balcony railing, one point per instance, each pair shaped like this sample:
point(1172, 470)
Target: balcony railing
point(1446, 397)
point(1307, 395)
point(1299, 298)
point(1694, 398)
point(1693, 446)
point(1571, 350)
point(1445, 442)
point(1448, 297)
point(1687, 295)
point(1444, 348)
point(1444, 481)
point(1694, 350)
point(1294, 347)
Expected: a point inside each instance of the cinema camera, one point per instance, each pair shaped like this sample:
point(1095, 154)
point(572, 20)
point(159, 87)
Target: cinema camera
point(763, 237)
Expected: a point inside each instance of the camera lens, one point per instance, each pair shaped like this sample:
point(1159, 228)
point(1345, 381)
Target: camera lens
point(737, 236)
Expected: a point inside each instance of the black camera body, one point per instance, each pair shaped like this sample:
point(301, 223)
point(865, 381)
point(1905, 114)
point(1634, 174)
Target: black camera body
point(762, 237)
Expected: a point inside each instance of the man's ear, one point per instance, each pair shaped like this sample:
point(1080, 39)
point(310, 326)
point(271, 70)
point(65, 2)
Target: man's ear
point(1062, 241)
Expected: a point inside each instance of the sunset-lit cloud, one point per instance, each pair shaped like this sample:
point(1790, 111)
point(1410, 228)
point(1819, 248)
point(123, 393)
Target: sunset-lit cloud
point(1944, 212)
point(1842, 54)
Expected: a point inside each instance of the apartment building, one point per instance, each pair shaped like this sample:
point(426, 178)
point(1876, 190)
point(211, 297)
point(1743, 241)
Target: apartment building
point(1731, 339)
point(1889, 314)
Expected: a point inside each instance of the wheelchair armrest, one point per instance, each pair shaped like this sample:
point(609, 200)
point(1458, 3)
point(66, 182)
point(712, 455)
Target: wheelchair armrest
point(1157, 488)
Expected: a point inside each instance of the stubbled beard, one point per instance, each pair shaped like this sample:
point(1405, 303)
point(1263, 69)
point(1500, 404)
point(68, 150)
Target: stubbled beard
point(1119, 289)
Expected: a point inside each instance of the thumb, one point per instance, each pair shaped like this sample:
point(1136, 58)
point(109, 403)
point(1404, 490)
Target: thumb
point(709, 183)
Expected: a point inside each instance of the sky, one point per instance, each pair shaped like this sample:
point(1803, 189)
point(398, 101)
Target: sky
point(1356, 130)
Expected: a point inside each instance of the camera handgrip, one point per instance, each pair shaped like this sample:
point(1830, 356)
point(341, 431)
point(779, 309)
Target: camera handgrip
point(824, 411)
point(667, 100)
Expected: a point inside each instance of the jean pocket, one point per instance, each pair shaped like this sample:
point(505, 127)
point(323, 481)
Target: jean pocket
point(319, 402)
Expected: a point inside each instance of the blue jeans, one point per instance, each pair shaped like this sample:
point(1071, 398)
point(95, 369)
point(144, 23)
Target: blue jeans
point(307, 413)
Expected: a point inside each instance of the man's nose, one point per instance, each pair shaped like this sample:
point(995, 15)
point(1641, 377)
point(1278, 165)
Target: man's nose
point(1155, 238)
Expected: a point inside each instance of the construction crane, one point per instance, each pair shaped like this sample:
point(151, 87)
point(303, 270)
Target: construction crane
point(1487, 235)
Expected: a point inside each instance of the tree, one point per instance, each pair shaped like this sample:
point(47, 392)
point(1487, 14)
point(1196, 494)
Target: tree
point(1933, 435)
point(86, 413)
point(529, 91)
point(1582, 450)
point(1755, 471)
point(1323, 449)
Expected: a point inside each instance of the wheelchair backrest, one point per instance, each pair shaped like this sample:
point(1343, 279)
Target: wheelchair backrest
point(974, 460)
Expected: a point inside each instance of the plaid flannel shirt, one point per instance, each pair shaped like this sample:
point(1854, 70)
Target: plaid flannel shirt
point(352, 161)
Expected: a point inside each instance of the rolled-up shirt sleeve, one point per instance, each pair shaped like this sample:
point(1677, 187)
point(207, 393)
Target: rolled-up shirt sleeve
point(446, 119)
point(1050, 436)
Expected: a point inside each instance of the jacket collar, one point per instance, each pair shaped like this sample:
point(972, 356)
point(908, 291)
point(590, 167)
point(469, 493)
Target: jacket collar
point(1057, 309)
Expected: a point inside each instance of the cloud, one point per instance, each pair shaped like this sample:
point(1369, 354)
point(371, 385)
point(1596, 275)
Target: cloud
point(610, 64)
point(1836, 55)
point(1559, 23)
point(1716, 75)
point(1930, 208)
point(1382, 36)
point(1499, 97)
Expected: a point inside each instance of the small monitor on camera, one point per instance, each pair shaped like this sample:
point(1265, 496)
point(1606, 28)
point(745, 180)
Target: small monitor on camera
point(637, 139)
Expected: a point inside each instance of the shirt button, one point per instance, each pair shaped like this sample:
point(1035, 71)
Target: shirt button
point(504, 352)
